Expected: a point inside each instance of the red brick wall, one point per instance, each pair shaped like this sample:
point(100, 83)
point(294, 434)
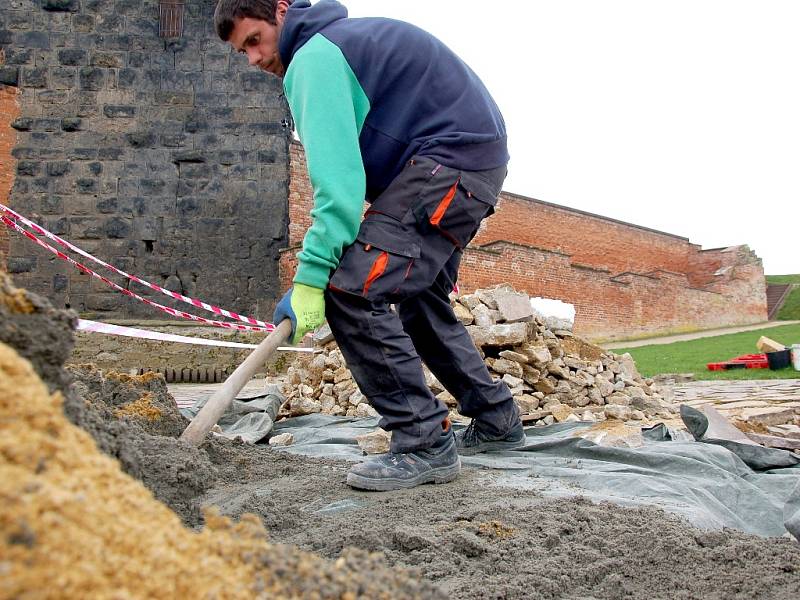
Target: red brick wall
point(9, 111)
point(624, 280)
point(589, 239)
point(618, 306)
point(301, 201)
point(301, 196)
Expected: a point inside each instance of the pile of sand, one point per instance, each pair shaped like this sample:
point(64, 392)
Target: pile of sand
point(75, 526)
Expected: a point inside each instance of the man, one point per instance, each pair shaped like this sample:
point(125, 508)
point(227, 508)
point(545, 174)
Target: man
point(387, 113)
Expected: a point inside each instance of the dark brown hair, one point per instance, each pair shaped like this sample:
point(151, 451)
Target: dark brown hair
point(228, 11)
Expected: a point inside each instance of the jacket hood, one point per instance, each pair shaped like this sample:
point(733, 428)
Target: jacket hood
point(303, 21)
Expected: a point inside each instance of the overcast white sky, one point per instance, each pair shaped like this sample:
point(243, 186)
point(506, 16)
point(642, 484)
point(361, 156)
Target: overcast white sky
point(679, 115)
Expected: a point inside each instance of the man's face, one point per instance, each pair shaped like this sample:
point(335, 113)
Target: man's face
point(259, 40)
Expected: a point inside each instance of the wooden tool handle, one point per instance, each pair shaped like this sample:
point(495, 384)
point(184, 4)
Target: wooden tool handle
point(216, 406)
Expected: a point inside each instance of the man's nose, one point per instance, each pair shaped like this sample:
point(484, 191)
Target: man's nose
point(253, 57)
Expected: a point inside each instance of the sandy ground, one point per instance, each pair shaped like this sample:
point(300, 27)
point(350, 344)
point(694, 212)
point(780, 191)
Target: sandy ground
point(478, 540)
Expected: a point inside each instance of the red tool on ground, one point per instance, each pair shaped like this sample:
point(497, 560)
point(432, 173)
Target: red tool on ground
point(747, 361)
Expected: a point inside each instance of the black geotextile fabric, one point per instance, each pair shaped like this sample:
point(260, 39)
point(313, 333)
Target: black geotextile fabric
point(714, 483)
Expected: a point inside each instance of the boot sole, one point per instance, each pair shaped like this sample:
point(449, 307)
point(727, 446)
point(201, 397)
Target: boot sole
point(440, 475)
point(497, 446)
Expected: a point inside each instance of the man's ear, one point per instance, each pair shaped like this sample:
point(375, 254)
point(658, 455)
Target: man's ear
point(280, 10)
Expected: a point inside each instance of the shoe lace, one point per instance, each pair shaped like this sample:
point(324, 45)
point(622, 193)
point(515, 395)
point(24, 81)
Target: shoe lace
point(471, 434)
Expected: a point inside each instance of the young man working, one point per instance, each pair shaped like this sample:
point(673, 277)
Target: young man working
point(390, 115)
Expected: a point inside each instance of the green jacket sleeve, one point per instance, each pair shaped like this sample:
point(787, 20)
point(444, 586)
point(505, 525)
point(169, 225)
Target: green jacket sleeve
point(329, 108)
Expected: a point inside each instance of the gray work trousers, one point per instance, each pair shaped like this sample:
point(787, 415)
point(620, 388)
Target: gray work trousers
point(388, 307)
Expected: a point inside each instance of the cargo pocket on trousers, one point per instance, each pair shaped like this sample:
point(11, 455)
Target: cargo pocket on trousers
point(456, 212)
point(378, 263)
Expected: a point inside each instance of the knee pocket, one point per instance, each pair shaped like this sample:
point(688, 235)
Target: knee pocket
point(379, 264)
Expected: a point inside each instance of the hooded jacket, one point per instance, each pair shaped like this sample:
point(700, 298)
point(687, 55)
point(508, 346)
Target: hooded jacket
point(366, 95)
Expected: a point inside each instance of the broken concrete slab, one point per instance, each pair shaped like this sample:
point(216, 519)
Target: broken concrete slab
point(741, 404)
point(773, 415)
point(774, 441)
point(719, 428)
point(504, 334)
point(482, 316)
point(514, 307)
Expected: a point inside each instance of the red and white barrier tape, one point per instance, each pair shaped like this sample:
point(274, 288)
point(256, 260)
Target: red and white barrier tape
point(11, 222)
point(106, 328)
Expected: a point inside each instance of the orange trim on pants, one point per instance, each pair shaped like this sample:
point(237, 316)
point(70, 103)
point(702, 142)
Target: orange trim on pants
point(378, 268)
point(436, 217)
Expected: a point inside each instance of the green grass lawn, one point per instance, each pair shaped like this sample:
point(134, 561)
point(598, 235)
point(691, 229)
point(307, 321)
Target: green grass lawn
point(783, 279)
point(692, 356)
point(790, 311)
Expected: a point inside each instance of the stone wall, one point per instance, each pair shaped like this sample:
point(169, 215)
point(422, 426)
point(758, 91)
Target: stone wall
point(166, 157)
point(625, 280)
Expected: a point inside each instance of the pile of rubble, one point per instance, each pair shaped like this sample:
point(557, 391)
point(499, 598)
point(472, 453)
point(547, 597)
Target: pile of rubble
point(553, 375)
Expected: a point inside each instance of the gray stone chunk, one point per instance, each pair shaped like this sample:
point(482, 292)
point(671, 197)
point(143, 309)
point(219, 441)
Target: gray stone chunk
point(482, 316)
point(513, 307)
point(498, 335)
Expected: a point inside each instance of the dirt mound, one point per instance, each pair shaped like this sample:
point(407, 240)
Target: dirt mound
point(67, 512)
point(40, 333)
point(477, 539)
point(74, 525)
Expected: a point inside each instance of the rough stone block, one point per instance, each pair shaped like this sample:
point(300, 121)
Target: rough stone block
point(28, 168)
point(92, 78)
point(376, 442)
point(514, 307)
point(498, 335)
point(118, 227)
point(62, 78)
point(19, 56)
point(141, 139)
point(32, 39)
point(22, 124)
point(107, 205)
point(618, 411)
point(104, 302)
point(173, 98)
point(127, 78)
point(61, 5)
point(173, 140)
point(83, 23)
point(72, 57)
point(282, 439)
point(110, 153)
point(119, 111)
point(112, 23)
point(774, 415)
point(9, 76)
point(58, 168)
point(60, 283)
point(18, 264)
point(108, 60)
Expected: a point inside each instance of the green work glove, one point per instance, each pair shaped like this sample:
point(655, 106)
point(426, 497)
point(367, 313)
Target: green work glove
point(304, 306)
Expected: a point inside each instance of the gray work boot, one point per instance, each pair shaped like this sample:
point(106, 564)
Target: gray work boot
point(477, 438)
point(394, 471)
